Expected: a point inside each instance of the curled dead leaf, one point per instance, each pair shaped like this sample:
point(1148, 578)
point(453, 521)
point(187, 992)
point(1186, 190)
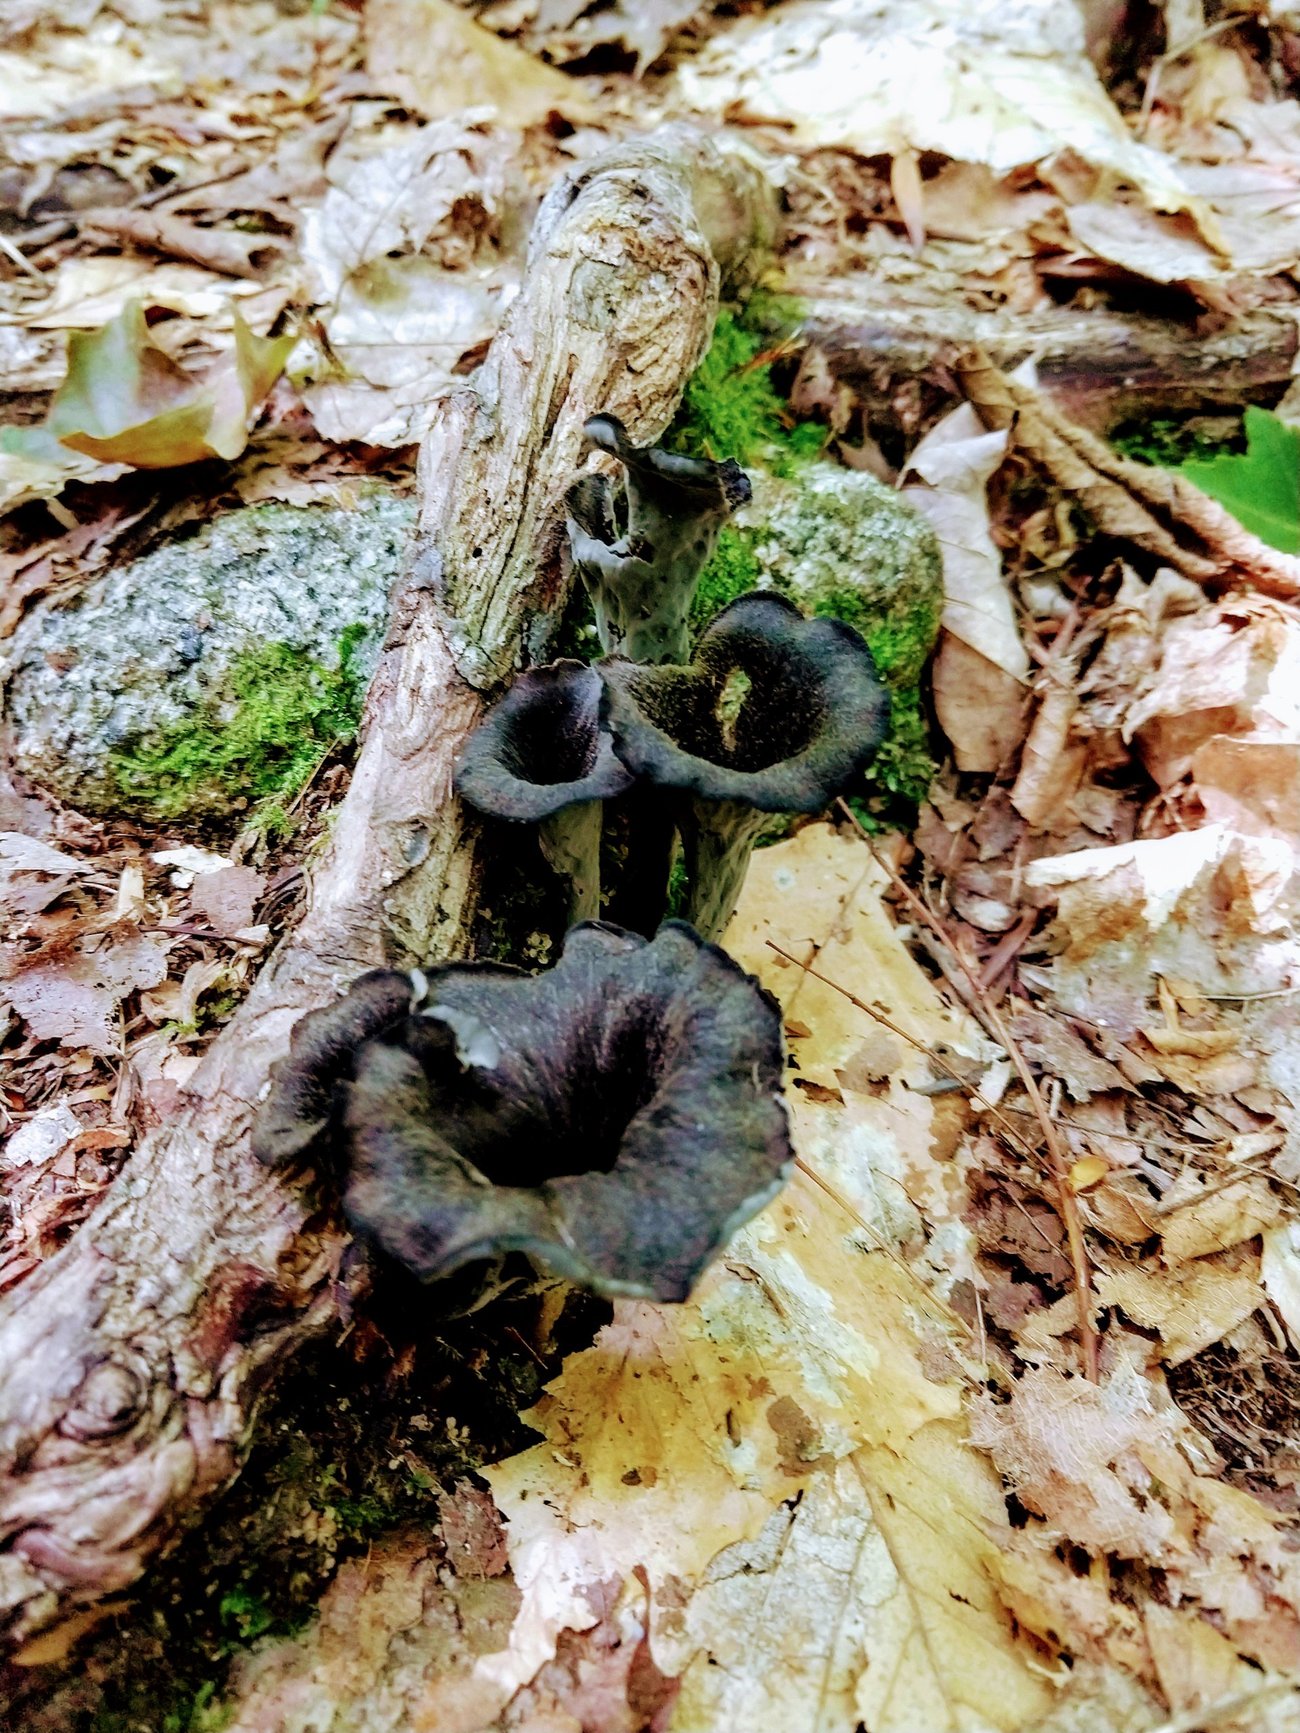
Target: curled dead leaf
point(125, 401)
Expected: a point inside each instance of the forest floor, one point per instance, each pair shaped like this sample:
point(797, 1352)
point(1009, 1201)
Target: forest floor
point(992, 1420)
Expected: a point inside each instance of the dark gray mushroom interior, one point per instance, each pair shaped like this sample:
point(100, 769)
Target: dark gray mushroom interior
point(774, 714)
point(542, 756)
point(641, 544)
point(614, 1118)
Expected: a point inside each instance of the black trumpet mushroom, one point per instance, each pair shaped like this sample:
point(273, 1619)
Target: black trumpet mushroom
point(774, 714)
point(541, 756)
point(614, 1118)
point(641, 546)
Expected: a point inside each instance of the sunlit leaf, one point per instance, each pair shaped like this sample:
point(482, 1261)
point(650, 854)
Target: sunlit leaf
point(125, 401)
point(1260, 486)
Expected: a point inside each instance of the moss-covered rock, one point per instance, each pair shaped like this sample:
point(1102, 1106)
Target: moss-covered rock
point(210, 677)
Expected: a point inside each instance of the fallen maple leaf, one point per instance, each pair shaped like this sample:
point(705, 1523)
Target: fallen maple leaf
point(125, 401)
point(807, 1361)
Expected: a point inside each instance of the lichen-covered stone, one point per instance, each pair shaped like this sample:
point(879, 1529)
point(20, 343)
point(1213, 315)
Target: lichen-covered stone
point(839, 542)
point(169, 650)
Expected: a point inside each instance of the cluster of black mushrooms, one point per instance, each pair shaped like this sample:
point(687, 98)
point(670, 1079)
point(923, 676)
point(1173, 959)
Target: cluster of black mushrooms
point(615, 1117)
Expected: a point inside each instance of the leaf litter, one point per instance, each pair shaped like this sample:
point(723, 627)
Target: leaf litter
point(1045, 1109)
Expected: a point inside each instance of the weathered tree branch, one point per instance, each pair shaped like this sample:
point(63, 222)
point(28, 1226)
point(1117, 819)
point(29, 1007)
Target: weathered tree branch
point(133, 1360)
point(1099, 366)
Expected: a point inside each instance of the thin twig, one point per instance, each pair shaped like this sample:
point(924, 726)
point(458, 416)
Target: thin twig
point(1058, 1159)
point(936, 1059)
point(20, 259)
point(1168, 1143)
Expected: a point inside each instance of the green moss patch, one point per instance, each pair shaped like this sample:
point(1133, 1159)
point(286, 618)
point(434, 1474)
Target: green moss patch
point(733, 571)
point(732, 408)
point(252, 746)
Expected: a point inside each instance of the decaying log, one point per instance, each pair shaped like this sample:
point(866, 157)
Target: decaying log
point(1099, 366)
point(133, 1360)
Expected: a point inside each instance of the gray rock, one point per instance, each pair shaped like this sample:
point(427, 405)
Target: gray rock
point(840, 542)
point(152, 645)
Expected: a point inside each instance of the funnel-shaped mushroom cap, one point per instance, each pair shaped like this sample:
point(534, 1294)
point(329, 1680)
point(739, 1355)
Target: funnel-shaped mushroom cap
point(542, 748)
point(642, 544)
point(304, 1089)
point(775, 711)
point(666, 485)
point(614, 1118)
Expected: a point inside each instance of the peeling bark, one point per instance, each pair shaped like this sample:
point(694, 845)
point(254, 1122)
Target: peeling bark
point(133, 1360)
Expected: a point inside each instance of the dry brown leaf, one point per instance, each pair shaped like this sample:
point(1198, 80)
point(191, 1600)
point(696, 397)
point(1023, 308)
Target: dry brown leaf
point(1229, 670)
point(1164, 249)
point(1195, 1664)
point(1109, 1468)
point(1250, 783)
point(1055, 1045)
point(1208, 907)
point(439, 61)
point(968, 202)
point(1053, 760)
point(227, 898)
point(1223, 1218)
point(1189, 1307)
point(93, 291)
point(74, 1001)
point(223, 250)
point(956, 460)
point(982, 709)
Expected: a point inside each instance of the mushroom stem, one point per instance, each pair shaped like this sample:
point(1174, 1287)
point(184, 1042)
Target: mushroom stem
point(718, 837)
point(571, 843)
point(641, 544)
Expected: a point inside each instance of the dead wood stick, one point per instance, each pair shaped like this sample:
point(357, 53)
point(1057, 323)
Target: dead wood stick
point(1155, 509)
point(130, 1364)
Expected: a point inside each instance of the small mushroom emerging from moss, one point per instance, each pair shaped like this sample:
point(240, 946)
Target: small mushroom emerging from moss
point(541, 756)
point(640, 547)
point(775, 714)
point(614, 1118)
